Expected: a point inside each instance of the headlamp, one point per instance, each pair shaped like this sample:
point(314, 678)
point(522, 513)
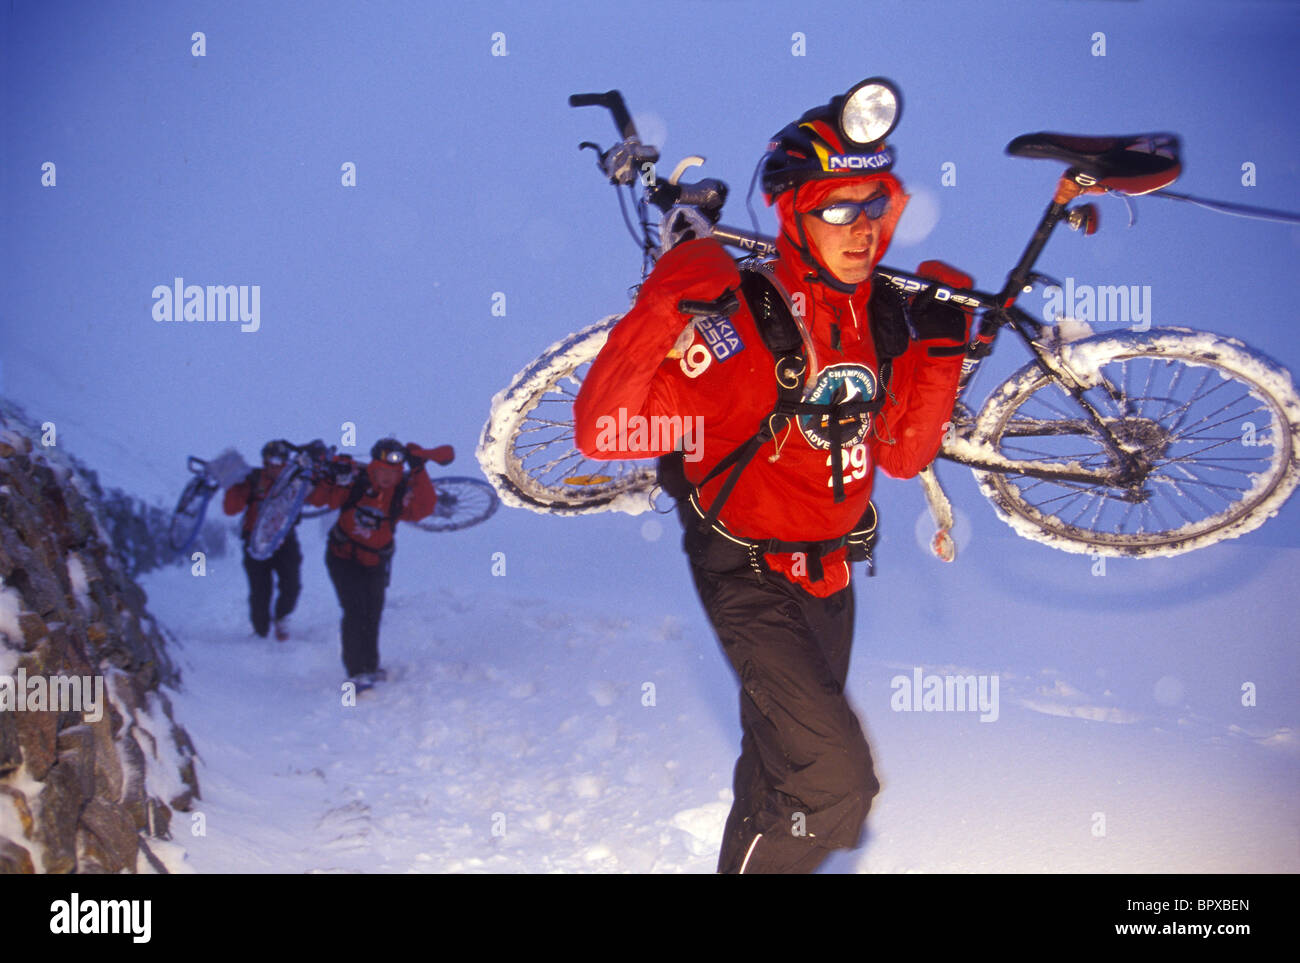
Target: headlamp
point(870, 111)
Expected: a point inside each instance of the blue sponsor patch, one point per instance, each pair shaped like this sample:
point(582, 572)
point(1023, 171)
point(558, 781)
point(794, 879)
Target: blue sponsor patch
point(720, 335)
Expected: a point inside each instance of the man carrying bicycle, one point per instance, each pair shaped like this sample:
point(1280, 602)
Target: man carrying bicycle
point(371, 500)
point(285, 565)
point(776, 502)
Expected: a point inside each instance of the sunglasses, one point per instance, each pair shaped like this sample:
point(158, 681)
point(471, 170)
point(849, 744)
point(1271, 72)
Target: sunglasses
point(842, 213)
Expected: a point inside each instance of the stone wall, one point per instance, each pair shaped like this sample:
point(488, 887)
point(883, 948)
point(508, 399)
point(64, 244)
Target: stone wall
point(83, 787)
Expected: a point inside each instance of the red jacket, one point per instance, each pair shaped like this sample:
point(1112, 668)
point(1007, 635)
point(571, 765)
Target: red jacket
point(364, 531)
point(247, 495)
point(649, 370)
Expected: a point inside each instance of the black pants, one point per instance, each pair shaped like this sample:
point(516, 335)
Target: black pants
point(360, 589)
point(286, 566)
point(804, 780)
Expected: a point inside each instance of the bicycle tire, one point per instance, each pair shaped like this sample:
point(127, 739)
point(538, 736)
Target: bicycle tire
point(187, 519)
point(462, 503)
point(1194, 403)
point(278, 513)
point(527, 449)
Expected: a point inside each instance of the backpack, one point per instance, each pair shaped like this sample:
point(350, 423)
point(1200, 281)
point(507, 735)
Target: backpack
point(360, 485)
point(770, 307)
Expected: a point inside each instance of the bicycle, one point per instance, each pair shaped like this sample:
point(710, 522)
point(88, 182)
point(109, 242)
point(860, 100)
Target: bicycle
point(192, 506)
point(462, 502)
point(280, 509)
point(1121, 444)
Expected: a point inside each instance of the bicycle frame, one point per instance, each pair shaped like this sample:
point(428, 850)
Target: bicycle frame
point(1122, 429)
point(999, 311)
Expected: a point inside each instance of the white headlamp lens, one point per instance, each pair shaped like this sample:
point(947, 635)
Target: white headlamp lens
point(870, 111)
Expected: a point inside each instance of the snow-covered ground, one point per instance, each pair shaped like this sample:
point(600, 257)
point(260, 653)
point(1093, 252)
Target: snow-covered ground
point(524, 734)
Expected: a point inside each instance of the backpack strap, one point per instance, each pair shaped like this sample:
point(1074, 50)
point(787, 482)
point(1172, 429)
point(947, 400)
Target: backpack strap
point(395, 504)
point(360, 485)
point(776, 326)
point(770, 307)
point(356, 492)
point(254, 479)
point(891, 324)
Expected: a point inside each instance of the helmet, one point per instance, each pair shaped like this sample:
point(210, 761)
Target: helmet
point(844, 138)
point(277, 451)
point(388, 450)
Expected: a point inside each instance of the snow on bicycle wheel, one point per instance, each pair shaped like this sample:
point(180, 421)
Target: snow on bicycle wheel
point(278, 513)
point(527, 449)
point(1216, 426)
point(190, 511)
point(462, 502)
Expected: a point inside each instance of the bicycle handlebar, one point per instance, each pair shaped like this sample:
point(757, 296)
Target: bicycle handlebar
point(611, 100)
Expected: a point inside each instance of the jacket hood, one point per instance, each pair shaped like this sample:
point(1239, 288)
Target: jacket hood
point(796, 247)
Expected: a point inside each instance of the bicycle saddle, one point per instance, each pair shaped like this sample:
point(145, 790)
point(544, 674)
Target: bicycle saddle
point(1131, 164)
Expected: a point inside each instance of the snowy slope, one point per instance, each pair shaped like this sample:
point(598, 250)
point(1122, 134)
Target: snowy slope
point(514, 736)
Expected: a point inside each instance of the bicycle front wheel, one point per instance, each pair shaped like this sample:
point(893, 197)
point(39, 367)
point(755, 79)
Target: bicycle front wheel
point(527, 449)
point(278, 513)
point(188, 517)
point(1213, 425)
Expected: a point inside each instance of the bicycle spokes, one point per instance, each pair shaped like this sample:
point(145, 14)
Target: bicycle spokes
point(1197, 449)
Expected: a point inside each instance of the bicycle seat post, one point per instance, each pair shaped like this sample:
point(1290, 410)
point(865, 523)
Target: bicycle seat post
point(1066, 191)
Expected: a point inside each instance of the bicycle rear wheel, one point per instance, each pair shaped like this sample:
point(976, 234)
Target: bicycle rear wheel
point(462, 502)
point(1216, 427)
point(527, 449)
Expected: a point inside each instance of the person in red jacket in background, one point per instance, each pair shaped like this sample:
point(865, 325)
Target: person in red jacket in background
point(769, 549)
point(285, 566)
point(372, 500)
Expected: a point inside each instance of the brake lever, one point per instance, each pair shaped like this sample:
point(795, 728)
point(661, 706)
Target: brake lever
point(623, 163)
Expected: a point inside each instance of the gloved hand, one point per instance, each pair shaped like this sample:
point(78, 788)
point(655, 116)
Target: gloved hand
point(443, 454)
point(941, 321)
point(888, 310)
point(415, 461)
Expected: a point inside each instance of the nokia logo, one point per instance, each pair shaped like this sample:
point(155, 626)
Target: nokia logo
point(845, 162)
